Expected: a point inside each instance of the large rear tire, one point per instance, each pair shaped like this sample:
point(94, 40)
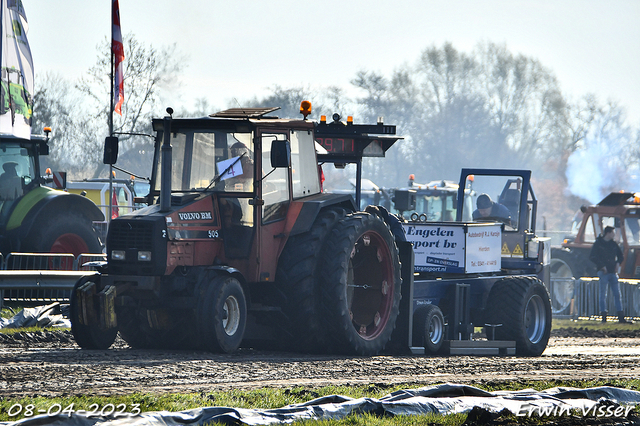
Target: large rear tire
point(522, 306)
point(297, 282)
point(360, 284)
point(63, 233)
point(221, 312)
point(88, 336)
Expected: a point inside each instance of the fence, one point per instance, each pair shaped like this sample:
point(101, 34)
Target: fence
point(35, 277)
point(581, 297)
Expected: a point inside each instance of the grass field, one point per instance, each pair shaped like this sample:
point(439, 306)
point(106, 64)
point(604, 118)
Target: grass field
point(268, 398)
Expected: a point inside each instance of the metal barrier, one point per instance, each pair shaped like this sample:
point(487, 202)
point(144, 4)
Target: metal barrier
point(42, 277)
point(581, 297)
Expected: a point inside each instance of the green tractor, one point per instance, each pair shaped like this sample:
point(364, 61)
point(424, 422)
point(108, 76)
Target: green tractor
point(35, 218)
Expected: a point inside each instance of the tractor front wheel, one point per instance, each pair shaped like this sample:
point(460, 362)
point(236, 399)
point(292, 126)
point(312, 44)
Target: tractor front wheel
point(85, 324)
point(221, 313)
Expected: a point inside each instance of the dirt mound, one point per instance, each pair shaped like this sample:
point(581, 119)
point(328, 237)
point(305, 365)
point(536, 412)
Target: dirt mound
point(48, 338)
point(585, 332)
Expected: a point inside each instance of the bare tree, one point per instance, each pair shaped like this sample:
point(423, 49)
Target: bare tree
point(80, 111)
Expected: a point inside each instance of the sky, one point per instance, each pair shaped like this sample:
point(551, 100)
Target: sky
point(239, 49)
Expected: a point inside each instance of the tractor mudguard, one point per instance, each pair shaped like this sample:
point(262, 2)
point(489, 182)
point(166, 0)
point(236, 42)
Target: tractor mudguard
point(42, 203)
point(311, 208)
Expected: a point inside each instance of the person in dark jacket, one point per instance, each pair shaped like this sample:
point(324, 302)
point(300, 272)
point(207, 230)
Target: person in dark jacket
point(490, 209)
point(607, 256)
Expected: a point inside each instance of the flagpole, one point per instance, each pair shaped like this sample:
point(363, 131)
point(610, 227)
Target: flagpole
point(1, 35)
point(111, 116)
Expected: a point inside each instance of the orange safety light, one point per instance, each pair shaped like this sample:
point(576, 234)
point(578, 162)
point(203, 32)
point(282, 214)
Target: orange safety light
point(305, 108)
point(471, 178)
point(113, 173)
point(323, 119)
point(47, 129)
point(48, 171)
point(349, 120)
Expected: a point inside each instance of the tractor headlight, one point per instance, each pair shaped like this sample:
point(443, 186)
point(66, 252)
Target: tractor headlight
point(144, 256)
point(117, 255)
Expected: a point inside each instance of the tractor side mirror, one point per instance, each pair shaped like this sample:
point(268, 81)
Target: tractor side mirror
point(43, 148)
point(280, 154)
point(110, 150)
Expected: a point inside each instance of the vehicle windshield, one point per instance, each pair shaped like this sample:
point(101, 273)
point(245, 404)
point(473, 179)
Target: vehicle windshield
point(17, 172)
point(217, 160)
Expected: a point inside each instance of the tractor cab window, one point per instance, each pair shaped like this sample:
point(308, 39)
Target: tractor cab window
point(496, 198)
point(275, 183)
point(589, 233)
point(17, 171)
point(304, 166)
point(194, 153)
point(615, 223)
point(632, 230)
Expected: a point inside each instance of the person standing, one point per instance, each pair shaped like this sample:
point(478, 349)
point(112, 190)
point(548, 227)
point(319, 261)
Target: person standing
point(607, 256)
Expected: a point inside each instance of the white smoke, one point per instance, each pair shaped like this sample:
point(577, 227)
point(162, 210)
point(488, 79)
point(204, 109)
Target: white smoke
point(597, 169)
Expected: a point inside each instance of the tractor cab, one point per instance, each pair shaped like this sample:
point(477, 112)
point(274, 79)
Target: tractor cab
point(19, 171)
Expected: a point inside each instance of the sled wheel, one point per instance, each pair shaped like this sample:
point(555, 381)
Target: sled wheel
point(429, 328)
point(522, 306)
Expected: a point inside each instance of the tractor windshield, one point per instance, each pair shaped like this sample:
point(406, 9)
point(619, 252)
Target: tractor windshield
point(216, 160)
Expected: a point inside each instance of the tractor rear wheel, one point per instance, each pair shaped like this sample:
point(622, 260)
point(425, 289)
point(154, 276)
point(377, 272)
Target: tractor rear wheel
point(70, 233)
point(297, 282)
point(522, 306)
point(88, 336)
point(360, 284)
point(221, 312)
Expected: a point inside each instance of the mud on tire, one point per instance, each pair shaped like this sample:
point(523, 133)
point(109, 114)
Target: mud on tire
point(360, 285)
point(522, 306)
point(297, 282)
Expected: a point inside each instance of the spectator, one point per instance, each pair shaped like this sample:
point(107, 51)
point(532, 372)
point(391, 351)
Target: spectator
point(607, 256)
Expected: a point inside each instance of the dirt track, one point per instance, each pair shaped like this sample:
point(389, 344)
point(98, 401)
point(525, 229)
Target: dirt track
point(56, 366)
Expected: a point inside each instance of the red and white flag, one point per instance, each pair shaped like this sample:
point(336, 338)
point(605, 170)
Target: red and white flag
point(117, 49)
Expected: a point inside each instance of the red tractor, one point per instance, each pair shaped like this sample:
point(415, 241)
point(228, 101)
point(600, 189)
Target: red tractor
point(239, 244)
point(618, 209)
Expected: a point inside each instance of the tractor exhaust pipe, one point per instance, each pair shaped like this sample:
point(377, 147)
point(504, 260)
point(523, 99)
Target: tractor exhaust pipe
point(165, 178)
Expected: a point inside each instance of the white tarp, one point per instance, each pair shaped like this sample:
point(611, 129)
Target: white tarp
point(443, 399)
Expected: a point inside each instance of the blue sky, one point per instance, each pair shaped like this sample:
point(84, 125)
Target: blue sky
point(237, 49)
